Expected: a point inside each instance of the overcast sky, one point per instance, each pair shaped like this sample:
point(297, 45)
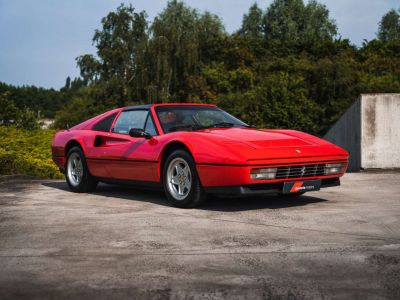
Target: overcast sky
point(39, 40)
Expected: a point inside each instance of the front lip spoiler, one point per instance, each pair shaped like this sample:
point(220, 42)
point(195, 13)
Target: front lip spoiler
point(261, 189)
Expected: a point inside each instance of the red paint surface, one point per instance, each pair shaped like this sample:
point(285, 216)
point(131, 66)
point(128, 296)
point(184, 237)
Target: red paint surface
point(223, 156)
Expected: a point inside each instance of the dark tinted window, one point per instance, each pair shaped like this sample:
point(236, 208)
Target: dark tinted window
point(105, 124)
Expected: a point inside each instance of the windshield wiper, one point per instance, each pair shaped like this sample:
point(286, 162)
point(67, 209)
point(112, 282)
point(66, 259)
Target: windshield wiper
point(185, 127)
point(220, 125)
point(193, 127)
point(227, 125)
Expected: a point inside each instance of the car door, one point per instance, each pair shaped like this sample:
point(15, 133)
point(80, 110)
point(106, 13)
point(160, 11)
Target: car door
point(96, 146)
point(132, 158)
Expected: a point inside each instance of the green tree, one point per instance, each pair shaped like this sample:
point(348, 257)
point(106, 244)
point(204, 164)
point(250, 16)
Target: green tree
point(252, 23)
point(284, 68)
point(11, 115)
point(293, 22)
point(211, 35)
point(8, 112)
point(175, 45)
point(120, 45)
point(389, 26)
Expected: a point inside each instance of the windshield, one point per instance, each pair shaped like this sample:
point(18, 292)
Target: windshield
point(186, 118)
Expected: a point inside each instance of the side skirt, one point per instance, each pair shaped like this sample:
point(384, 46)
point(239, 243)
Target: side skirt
point(148, 185)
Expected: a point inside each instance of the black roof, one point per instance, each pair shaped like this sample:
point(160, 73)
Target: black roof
point(144, 106)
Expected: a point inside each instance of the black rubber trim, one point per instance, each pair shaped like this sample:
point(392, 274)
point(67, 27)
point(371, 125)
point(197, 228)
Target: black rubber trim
point(122, 160)
point(138, 107)
point(261, 189)
point(153, 185)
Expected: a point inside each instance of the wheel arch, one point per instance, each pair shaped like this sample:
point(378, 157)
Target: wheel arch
point(72, 143)
point(168, 149)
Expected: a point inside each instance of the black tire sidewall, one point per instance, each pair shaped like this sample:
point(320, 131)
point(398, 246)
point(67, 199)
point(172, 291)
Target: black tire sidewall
point(196, 194)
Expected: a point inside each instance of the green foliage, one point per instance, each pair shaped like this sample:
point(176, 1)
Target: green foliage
point(294, 23)
point(389, 26)
point(285, 66)
point(9, 112)
point(120, 49)
point(11, 115)
point(27, 152)
point(80, 108)
point(280, 101)
point(253, 23)
point(45, 101)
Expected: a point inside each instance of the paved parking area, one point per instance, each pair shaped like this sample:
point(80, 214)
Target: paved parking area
point(118, 242)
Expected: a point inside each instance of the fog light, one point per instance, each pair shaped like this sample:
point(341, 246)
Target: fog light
point(334, 168)
point(259, 174)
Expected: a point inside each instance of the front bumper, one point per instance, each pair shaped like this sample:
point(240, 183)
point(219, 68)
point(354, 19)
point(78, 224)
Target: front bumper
point(261, 189)
point(212, 175)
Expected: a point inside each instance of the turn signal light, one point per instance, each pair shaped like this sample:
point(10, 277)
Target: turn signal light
point(335, 168)
point(260, 174)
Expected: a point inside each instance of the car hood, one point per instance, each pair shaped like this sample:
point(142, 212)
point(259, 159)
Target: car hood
point(248, 145)
point(259, 139)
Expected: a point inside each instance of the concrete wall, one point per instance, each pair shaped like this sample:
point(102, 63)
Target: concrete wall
point(370, 131)
point(346, 133)
point(380, 128)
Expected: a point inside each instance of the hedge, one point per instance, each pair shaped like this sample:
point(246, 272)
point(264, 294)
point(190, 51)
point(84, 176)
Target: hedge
point(27, 152)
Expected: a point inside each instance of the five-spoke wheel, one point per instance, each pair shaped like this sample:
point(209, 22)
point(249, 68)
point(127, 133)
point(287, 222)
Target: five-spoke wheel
point(75, 169)
point(179, 178)
point(77, 173)
point(181, 182)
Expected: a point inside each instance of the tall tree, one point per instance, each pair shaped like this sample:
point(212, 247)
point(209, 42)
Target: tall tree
point(120, 44)
point(252, 23)
point(389, 26)
point(293, 22)
point(176, 49)
point(211, 35)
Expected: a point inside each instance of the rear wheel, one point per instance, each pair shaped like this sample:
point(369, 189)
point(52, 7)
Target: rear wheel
point(181, 182)
point(76, 172)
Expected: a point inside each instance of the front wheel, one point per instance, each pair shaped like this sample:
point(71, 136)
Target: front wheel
point(181, 182)
point(77, 173)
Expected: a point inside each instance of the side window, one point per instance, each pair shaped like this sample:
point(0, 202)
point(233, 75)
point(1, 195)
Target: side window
point(130, 119)
point(105, 124)
point(150, 128)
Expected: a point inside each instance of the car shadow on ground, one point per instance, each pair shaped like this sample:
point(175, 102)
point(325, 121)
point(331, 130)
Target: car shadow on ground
point(213, 203)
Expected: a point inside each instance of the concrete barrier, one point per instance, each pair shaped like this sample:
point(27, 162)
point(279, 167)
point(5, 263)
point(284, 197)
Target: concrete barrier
point(370, 131)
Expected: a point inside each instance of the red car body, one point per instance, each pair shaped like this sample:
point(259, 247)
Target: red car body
point(224, 157)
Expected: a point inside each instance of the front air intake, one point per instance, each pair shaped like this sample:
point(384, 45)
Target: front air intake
point(300, 171)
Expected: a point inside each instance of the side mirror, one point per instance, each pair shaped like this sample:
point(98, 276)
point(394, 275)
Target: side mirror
point(138, 133)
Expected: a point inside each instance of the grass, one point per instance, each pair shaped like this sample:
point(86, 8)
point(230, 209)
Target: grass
point(27, 152)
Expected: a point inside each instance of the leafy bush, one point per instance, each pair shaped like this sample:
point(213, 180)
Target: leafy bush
point(27, 152)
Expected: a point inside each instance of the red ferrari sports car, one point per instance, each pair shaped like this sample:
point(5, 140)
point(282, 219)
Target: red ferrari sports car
point(191, 150)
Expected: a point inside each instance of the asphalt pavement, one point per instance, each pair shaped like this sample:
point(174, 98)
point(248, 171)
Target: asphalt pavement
point(120, 242)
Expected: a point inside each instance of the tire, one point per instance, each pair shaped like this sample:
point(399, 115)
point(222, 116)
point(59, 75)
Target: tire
point(181, 181)
point(77, 173)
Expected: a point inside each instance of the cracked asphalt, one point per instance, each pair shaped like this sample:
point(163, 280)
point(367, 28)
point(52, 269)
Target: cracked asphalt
point(119, 242)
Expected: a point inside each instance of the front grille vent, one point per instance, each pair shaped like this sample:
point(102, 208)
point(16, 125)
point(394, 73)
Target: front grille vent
point(300, 171)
